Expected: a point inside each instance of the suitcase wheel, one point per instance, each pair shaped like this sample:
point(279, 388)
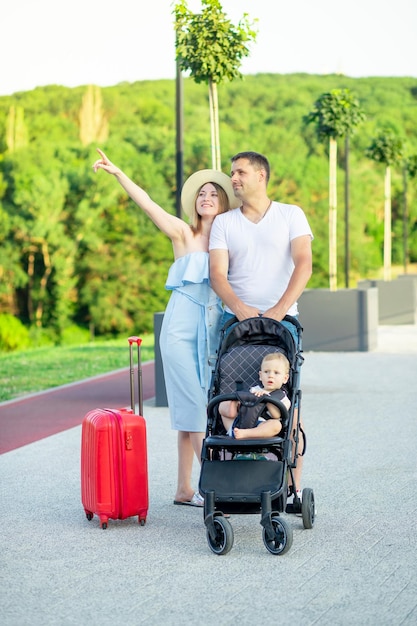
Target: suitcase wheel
point(89, 516)
point(104, 525)
point(142, 521)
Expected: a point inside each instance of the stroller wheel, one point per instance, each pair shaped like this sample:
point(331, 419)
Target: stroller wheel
point(308, 508)
point(282, 540)
point(222, 541)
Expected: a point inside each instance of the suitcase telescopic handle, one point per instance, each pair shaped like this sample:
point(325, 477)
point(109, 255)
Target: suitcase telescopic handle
point(137, 341)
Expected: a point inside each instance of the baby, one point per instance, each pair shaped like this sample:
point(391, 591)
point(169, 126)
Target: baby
point(274, 373)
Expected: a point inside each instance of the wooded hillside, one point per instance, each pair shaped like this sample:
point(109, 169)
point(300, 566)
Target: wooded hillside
point(74, 249)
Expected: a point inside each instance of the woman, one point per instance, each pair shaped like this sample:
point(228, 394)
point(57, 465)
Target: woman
point(191, 325)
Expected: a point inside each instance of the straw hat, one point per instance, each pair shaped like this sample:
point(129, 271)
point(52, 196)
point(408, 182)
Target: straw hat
point(200, 178)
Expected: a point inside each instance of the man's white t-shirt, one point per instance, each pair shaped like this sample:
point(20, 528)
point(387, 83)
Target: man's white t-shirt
point(260, 263)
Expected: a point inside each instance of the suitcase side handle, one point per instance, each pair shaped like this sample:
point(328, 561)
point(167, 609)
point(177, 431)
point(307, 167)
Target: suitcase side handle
point(137, 341)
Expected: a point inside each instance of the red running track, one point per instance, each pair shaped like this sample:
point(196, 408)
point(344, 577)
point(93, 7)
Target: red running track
point(35, 417)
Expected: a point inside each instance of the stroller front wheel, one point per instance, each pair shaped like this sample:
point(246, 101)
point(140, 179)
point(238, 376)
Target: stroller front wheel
point(283, 536)
point(222, 540)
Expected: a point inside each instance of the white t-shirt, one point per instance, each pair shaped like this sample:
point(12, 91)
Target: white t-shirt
point(260, 263)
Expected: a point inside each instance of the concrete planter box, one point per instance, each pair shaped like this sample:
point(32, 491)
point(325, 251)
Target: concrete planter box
point(397, 299)
point(339, 321)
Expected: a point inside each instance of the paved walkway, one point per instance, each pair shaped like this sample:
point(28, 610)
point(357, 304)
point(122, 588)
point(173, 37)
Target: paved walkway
point(357, 566)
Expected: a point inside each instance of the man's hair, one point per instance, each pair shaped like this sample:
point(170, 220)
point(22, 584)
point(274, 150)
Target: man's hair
point(257, 160)
point(277, 356)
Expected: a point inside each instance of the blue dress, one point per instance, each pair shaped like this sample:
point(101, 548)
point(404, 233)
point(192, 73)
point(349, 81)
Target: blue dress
point(189, 340)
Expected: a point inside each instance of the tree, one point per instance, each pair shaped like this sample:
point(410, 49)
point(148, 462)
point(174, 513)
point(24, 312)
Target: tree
point(335, 114)
point(93, 123)
point(36, 209)
point(122, 257)
point(12, 276)
point(211, 48)
point(16, 130)
point(409, 170)
point(387, 148)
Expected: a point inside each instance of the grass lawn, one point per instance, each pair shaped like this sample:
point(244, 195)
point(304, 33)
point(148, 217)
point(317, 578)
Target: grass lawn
point(28, 371)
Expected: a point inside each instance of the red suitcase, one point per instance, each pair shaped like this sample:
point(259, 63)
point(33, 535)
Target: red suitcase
point(114, 466)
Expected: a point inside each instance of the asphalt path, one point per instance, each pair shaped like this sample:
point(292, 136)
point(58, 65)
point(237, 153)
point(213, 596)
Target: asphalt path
point(355, 567)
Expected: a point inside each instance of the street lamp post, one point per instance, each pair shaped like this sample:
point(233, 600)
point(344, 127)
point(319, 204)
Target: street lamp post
point(179, 158)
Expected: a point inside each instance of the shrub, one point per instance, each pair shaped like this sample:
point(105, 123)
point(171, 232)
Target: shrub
point(13, 334)
point(74, 336)
point(41, 337)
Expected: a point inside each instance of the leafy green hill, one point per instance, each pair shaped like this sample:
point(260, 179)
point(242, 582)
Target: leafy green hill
point(74, 249)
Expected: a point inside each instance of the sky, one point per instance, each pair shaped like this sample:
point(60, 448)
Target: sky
point(45, 42)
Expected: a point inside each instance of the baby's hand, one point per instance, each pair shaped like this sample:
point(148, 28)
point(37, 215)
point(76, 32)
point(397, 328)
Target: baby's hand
point(258, 392)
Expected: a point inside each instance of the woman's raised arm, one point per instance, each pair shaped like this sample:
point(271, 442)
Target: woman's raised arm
point(174, 227)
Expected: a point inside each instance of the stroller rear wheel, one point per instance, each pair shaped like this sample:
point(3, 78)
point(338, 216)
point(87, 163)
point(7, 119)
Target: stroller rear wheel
point(308, 508)
point(282, 540)
point(222, 541)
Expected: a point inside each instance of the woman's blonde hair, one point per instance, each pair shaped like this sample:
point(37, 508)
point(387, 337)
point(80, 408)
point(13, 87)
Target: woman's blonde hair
point(224, 205)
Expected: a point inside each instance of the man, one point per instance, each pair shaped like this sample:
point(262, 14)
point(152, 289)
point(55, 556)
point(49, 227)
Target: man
point(260, 253)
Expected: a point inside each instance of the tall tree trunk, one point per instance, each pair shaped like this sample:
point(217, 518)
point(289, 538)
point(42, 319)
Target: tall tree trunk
point(405, 221)
point(332, 214)
point(31, 273)
point(43, 284)
point(387, 225)
point(347, 246)
point(214, 126)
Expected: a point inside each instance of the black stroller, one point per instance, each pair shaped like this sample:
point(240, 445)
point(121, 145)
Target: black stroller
point(232, 483)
